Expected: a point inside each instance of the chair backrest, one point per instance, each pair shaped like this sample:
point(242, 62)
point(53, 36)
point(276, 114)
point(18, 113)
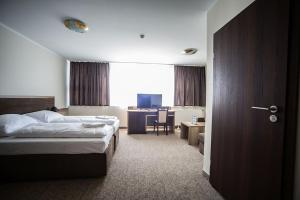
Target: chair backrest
point(162, 115)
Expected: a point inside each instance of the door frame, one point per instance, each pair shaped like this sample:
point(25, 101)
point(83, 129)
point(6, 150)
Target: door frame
point(289, 156)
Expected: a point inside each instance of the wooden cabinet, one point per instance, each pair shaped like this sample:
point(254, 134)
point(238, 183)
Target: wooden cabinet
point(136, 122)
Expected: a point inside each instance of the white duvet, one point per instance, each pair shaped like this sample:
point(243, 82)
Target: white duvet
point(61, 130)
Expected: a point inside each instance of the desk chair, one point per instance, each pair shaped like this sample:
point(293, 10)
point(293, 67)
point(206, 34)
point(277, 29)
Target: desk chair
point(162, 120)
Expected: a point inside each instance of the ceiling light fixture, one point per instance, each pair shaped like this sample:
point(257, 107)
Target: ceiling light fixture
point(189, 51)
point(76, 25)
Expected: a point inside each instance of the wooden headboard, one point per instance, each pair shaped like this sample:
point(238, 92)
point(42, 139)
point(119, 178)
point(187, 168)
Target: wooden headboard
point(25, 104)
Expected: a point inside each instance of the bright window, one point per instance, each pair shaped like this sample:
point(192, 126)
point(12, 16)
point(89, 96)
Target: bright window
point(129, 79)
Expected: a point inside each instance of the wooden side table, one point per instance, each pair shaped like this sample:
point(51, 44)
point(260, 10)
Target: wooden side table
point(63, 111)
point(191, 131)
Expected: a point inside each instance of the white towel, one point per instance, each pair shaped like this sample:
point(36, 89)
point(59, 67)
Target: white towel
point(93, 125)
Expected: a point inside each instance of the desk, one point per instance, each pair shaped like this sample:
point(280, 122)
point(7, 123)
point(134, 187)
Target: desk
point(140, 118)
point(191, 131)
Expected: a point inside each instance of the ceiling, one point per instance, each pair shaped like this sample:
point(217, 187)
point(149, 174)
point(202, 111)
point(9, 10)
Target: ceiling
point(170, 26)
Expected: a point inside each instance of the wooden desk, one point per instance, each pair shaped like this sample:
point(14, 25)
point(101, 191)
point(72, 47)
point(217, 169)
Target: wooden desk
point(140, 118)
point(191, 131)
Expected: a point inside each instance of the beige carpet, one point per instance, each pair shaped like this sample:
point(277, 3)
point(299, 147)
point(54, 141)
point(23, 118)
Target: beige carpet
point(143, 167)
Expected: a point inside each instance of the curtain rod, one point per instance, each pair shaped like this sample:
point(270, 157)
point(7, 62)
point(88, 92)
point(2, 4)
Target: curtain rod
point(135, 63)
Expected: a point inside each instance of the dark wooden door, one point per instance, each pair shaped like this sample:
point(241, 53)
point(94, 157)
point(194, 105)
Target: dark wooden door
point(250, 70)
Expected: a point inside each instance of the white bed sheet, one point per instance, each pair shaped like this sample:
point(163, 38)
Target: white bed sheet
point(19, 146)
point(89, 119)
point(62, 130)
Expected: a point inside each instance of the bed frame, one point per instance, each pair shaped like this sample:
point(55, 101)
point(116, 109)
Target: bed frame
point(50, 166)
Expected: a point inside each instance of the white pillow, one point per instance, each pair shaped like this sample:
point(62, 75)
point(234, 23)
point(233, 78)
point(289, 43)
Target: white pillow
point(12, 122)
point(45, 115)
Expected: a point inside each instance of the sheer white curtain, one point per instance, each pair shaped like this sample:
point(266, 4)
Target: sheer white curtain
point(129, 79)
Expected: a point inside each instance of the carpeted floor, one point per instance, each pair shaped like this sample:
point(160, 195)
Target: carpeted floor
point(143, 167)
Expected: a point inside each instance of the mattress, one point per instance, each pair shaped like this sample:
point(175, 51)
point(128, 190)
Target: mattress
point(19, 146)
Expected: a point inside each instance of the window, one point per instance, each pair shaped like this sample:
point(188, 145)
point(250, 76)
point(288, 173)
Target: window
point(129, 79)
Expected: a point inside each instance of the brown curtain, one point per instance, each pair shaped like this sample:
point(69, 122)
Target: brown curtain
point(89, 84)
point(190, 86)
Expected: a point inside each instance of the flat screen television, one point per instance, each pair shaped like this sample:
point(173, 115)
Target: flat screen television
point(149, 100)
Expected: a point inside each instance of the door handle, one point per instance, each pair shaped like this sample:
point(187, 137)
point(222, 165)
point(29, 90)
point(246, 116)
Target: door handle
point(272, 109)
point(259, 108)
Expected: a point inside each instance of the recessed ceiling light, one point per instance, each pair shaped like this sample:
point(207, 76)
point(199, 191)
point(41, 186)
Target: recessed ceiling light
point(76, 25)
point(142, 36)
point(189, 51)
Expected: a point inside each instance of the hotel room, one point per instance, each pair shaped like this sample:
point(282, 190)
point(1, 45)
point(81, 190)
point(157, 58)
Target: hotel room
point(161, 99)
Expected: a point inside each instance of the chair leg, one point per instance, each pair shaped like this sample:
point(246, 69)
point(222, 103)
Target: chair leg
point(157, 127)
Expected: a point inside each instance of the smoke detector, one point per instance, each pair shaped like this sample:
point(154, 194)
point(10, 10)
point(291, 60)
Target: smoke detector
point(142, 35)
point(189, 51)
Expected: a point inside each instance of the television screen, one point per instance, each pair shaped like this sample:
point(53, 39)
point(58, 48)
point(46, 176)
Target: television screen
point(149, 100)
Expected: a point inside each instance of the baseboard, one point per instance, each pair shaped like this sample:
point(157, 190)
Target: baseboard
point(206, 175)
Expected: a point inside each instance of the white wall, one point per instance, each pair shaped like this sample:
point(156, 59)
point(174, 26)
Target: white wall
point(26, 68)
point(181, 113)
point(185, 113)
point(217, 16)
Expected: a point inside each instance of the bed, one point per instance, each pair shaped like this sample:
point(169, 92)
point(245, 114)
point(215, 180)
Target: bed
point(54, 117)
point(51, 158)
